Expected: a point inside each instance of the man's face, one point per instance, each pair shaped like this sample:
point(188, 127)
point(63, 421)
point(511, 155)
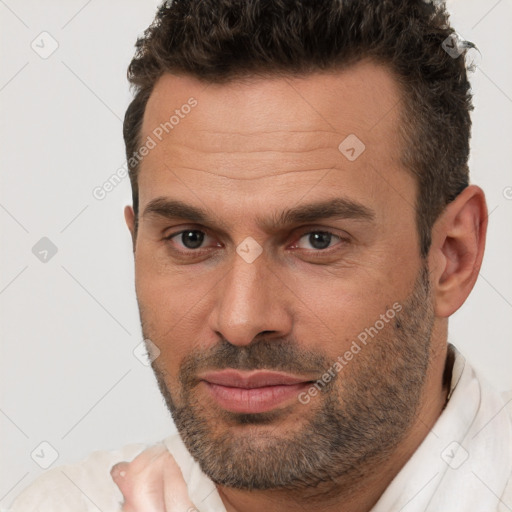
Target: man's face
point(262, 282)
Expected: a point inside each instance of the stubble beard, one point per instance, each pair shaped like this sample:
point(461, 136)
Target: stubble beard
point(355, 423)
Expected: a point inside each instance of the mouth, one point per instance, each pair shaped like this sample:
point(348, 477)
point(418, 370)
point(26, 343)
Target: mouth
point(253, 392)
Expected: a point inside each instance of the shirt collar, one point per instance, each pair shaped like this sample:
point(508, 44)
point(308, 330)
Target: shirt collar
point(461, 465)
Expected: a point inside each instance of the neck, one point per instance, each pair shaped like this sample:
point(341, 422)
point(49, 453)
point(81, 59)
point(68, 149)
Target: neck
point(359, 491)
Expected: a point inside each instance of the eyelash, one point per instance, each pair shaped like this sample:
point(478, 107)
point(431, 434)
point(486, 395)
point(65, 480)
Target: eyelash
point(200, 251)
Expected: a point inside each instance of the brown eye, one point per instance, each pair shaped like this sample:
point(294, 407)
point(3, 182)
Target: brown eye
point(192, 239)
point(318, 240)
point(188, 239)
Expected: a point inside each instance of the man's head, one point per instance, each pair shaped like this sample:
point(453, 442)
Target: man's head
point(302, 206)
point(221, 41)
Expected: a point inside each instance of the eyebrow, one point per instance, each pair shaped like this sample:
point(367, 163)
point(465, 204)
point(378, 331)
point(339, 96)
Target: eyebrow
point(337, 208)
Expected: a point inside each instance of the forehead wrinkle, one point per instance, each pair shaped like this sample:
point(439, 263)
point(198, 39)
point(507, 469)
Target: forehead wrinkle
point(259, 132)
point(268, 142)
point(248, 151)
point(237, 178)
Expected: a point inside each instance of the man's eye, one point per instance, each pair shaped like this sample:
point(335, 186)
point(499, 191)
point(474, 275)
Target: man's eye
point(193, 240)
point(189, 239)
point(317, 240)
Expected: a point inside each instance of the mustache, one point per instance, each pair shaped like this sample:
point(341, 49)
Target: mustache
point(264, 354)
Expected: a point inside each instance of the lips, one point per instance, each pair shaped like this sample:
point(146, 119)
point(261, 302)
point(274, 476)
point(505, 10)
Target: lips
point(253, 392)
point(255, 379)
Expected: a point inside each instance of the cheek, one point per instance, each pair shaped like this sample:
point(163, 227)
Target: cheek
point(167, 293)
point(343, 310)
point(173, 308)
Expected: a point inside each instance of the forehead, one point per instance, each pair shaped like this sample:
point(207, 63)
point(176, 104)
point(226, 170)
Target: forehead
point(358, 97)
point(232, 136)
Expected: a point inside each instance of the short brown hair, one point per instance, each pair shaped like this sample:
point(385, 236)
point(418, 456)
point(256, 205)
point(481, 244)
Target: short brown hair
point(221, 40)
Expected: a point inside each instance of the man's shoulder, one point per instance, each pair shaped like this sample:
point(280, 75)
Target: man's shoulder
point(82, 487)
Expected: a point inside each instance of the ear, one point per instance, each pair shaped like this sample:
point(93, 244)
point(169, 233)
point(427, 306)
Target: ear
point(129, 217)
point(458, 243)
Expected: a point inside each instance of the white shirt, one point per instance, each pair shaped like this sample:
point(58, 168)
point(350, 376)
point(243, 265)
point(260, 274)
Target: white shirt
point(464, 464)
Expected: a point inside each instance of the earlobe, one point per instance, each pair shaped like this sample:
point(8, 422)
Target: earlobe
point(458, 243)
point(129, 217)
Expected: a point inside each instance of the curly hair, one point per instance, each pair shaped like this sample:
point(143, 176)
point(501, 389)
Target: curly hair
point(219, 41)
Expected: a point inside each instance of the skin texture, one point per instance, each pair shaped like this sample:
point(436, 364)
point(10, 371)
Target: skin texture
point(246, 152)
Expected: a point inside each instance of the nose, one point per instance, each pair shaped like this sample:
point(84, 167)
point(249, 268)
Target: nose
point(251, 300)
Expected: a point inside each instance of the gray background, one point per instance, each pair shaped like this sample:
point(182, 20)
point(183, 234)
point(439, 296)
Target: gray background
point(69, 325)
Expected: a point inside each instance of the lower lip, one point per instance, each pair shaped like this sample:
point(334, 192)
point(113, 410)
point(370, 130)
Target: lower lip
point(254, 400)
